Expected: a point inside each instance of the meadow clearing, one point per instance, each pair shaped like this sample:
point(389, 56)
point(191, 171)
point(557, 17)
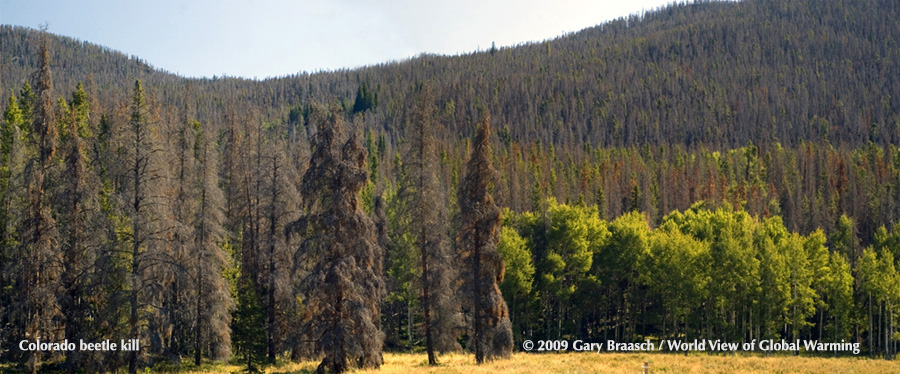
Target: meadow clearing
point(602, 363)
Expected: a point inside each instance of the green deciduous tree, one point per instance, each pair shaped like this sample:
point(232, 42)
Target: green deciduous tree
point(839, 296)
point(519, 276)
point(677, 271)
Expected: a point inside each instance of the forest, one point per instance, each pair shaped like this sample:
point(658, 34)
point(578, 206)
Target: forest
point(725, 170)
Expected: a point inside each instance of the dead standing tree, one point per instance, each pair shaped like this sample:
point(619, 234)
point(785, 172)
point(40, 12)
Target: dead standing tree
point(477, 242)
point(342, 290)
point(422, 193)
point(142, 171)
point(41, 259)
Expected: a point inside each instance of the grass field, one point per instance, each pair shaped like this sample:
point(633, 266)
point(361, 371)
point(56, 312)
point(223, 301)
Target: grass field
point(592, 363)
point(605, 363)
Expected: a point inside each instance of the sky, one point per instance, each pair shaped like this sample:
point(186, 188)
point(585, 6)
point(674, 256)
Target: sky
point(260, 39)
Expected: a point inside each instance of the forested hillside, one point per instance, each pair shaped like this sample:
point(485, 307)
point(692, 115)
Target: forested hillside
point(753, 146)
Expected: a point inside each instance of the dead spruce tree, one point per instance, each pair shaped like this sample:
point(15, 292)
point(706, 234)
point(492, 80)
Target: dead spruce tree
point(142, 170)
point(179, 290)
point(213, 302)
point(40, 265)
point(278, 203)
point(423, 197)
point(339, 254)
point(477, 244)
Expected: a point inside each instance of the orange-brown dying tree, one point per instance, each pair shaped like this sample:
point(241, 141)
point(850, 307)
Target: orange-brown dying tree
point(477, 242)
point(39, 269)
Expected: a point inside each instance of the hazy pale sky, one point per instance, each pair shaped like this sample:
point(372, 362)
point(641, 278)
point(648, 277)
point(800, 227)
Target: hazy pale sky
point(259, 39)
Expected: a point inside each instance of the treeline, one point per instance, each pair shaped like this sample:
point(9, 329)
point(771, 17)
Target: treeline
point(810, 186)
point(704, 273)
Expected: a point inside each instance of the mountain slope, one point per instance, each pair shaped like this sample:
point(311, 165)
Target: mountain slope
point(720, 74)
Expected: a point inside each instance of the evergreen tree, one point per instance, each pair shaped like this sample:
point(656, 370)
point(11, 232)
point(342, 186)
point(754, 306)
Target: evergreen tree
point(248, 334)
point(27, 99)
point(12, 205)
point(365, 99)
point(401, 265)
point(79, 216)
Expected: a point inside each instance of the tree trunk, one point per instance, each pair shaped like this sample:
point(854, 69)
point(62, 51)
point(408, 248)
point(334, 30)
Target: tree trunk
point(133, 325)
point(884, 329)
point(871, 329)
point(409, 323)
point(176, 326)
point(270, 307)
point(426, 302)
point(199, 320)
point(477, 312)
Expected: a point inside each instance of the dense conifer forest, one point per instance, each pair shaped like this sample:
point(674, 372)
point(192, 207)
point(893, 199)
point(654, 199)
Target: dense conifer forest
point(725, 170)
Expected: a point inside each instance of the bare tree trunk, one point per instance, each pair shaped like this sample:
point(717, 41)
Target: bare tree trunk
point(133, 331)
point(409, 330)
point(270, 300)
point(426, 304)
point(479, 320)
point(199, 321)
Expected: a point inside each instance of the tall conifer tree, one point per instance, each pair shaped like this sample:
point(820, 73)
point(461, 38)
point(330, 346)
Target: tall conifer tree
point(428, 225)
point(41, 263)
point(343, 288)
point(477, 242)
point(77, 206)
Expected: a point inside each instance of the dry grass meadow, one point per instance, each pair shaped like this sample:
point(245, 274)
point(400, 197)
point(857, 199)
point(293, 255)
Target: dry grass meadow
point(602, 363)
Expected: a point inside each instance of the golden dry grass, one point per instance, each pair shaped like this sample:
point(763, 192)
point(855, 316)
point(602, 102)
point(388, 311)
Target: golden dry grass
point(616, 363)
point(592, 363)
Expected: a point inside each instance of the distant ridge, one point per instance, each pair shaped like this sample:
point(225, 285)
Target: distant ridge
point(713, 73)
